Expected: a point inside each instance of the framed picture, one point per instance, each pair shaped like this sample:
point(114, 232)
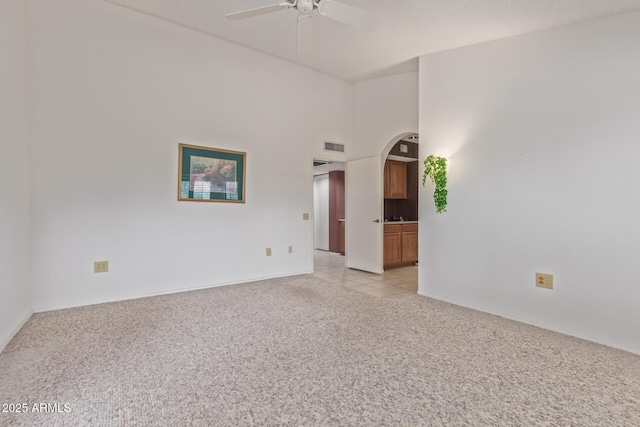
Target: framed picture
point(211, 175)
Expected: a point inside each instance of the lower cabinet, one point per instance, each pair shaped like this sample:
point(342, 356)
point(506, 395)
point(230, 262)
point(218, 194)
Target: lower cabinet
point(392, 245)
point(409, 243)
point(400, 244)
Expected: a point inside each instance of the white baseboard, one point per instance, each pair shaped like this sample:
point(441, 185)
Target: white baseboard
point(15, 331)
point(537, 324)
point(153, 294)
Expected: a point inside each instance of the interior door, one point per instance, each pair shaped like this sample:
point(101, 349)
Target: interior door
point(363, 204)
point(321, 212)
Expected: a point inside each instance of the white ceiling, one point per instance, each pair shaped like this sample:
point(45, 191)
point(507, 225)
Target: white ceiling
point(410, 28)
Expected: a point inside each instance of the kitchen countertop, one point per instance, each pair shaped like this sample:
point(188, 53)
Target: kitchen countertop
point(401, 222)
point(392, 222)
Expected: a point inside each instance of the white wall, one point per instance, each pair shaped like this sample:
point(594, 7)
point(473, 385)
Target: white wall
point(116, 91)
point(321, 211)
point(15, 286)
point(542, 133)
point(383, 109)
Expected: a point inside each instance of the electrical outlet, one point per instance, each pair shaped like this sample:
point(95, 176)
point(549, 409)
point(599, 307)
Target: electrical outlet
point(101, 267)
point(544, 280)
point(305, 217)
point(268, 251)
point(290, 249)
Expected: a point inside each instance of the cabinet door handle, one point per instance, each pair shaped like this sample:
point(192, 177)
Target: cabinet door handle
point(377, 221)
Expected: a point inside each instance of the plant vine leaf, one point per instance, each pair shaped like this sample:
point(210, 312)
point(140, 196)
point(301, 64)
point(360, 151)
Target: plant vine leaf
point(436, 169)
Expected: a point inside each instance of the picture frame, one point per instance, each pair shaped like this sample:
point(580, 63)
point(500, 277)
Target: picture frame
point(211, 174)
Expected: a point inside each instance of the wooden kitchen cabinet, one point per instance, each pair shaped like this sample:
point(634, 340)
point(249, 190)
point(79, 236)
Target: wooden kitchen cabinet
point(400, 244)
point(392, 244)
point(409, 243)
point(395, 180)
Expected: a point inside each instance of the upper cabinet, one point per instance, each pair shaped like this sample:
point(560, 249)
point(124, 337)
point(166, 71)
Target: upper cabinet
point(395, 180)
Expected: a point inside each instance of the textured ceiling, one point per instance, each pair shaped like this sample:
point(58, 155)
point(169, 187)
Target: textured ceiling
point(410, 28)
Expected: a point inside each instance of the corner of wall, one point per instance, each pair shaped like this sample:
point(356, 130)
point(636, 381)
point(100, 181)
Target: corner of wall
point(13, 333)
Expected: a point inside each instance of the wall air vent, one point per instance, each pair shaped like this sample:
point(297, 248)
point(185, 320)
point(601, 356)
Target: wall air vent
point(330, 146)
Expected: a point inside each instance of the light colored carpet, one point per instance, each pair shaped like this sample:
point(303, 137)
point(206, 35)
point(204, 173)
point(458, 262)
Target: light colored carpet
point(307, 351)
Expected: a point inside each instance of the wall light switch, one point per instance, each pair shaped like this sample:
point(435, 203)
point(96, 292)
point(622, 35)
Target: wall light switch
point(290, 249)
point(268, 251)
point(544, 280)
point(305, 217)
point(101, 267)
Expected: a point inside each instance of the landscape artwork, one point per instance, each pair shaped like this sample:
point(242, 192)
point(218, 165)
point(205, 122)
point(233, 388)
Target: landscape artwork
point(208, 174)
point(216, 175)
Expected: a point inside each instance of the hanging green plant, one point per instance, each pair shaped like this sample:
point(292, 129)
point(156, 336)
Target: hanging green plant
point(436, 169)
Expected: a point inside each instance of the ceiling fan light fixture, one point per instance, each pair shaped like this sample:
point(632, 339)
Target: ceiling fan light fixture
point(305, 6)
point(337, 11)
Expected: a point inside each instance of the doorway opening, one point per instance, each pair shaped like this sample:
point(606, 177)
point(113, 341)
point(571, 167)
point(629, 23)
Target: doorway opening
point(401, 178)
point(329, 206)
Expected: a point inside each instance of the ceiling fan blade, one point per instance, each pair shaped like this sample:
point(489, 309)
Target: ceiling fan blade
point(353, 16)
point(305, 34)
point(236, 16)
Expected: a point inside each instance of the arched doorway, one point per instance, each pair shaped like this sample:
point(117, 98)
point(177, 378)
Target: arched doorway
point(365, 209)
point(401, 178)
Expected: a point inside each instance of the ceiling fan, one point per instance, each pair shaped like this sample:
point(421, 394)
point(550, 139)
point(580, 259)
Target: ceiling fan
point(337, 11)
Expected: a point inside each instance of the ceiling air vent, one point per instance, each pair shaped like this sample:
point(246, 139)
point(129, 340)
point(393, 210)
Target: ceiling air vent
point(330, 146)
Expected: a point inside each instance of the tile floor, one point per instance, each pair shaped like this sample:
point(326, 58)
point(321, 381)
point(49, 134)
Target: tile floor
point(392, 283)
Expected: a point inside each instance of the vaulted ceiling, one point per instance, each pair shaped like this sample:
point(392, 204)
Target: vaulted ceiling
point(409, 28)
